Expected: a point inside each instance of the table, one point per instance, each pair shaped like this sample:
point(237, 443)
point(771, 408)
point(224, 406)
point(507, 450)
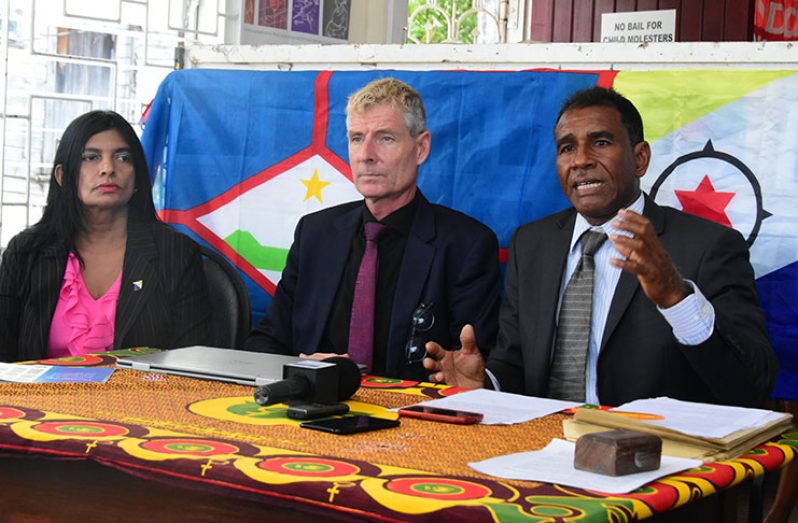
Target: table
point(206, 447)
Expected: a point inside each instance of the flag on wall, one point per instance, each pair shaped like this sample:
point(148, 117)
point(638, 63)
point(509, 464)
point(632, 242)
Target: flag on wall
point(239, 156)
point(725, 147)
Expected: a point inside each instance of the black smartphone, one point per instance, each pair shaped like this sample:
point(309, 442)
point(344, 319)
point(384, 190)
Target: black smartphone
point(351, 424)
point(305, 410)
point(461, 417)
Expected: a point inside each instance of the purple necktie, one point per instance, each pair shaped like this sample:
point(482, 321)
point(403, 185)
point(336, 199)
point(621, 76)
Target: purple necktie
point(361, 323)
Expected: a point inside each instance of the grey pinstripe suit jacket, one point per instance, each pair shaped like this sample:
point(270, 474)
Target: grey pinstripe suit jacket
point(168, 309)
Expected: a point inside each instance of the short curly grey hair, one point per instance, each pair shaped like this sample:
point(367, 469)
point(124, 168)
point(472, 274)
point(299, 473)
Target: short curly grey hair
point(395, 93)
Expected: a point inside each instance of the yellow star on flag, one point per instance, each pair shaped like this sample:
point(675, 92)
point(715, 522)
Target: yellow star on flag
point(314, 186)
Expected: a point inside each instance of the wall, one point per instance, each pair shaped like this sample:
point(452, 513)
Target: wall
point(696, 20)
point(686, 55)
point(65, 57)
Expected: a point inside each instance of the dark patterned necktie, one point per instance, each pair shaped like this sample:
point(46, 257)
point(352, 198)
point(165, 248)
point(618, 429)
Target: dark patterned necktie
point(361, 323)
point(568, 368)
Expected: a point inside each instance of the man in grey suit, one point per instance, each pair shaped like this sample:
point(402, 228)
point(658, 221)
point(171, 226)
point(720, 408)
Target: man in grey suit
point(673, 312)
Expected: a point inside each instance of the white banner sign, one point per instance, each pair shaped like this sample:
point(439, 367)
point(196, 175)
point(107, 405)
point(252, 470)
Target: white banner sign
point(641, 27)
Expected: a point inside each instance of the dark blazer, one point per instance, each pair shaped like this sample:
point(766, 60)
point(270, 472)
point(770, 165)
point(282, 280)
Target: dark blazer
point(450, 260)
point(639, 356)
point(170, 310)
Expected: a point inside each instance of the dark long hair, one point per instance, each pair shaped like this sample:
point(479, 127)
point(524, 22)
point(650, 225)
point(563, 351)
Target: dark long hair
point(64, 216)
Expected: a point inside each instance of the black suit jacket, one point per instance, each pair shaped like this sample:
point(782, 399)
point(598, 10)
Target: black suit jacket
point(170, 310)
point(639, 356)
point(450, 261)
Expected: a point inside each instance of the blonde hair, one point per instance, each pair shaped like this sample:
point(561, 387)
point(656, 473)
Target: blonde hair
point(395, 93)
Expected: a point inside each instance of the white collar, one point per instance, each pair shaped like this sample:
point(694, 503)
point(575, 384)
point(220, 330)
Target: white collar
point(581, 224)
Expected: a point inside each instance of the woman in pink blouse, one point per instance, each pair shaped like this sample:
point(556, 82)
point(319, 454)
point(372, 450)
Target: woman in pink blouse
point(99, 271)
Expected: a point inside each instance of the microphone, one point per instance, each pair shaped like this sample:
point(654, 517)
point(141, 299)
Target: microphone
point(327, 381)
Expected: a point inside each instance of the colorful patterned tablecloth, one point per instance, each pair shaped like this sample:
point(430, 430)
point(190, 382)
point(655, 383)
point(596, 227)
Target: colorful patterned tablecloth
point(195, 431)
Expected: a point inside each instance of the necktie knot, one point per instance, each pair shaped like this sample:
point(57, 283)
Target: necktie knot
point(591, 241)
point(373, 231)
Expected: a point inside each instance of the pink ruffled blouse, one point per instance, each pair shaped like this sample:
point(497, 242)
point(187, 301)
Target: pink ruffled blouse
point(81, 324)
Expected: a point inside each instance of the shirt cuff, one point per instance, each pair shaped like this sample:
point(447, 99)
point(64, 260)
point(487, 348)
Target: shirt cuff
point(692, 319)
point(493, 381)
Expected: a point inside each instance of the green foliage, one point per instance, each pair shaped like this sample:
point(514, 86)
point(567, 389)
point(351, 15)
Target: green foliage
point(437, 21)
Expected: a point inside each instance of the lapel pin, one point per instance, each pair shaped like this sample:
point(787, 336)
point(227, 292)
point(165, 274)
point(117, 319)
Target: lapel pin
point(137, 285)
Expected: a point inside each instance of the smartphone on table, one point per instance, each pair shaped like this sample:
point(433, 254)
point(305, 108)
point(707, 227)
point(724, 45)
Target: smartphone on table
point(350, 424)
point(461, 417)
point(305, 410)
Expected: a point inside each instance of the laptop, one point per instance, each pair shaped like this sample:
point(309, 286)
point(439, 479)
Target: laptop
point(209, 363)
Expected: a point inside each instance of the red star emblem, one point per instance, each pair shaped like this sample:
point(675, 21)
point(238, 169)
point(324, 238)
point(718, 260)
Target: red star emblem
point(706, 202)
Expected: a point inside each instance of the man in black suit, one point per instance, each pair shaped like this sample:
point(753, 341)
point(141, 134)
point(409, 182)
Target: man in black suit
point(438, 268)
point(674, 308)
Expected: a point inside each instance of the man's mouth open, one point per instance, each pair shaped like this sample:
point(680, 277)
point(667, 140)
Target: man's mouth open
point(587, 185)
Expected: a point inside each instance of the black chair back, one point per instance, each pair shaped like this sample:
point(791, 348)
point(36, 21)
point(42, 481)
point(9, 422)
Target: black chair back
point(230, 314)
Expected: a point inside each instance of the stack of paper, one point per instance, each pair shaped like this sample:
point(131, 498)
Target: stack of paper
point(692, 430)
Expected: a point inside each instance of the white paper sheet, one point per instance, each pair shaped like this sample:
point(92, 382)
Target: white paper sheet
point(555, 464)
point(700, 419)
point(502, 408)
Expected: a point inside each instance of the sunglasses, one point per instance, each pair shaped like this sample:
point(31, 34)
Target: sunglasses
point(421, 321)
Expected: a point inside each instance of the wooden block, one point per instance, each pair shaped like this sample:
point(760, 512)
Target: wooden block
point(618, 452)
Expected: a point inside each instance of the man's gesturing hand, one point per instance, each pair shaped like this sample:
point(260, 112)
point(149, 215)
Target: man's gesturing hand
point(461, 368)
point(646, 258)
